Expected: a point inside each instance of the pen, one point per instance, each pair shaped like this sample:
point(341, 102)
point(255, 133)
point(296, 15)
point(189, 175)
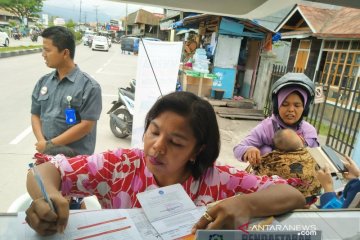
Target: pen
point(41, 185)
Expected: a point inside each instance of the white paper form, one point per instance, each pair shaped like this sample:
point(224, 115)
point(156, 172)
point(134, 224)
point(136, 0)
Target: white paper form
point(170, 210)
point(147, 231)
point(83, 225)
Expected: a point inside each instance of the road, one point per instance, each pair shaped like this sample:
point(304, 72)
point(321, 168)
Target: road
point(18, 77)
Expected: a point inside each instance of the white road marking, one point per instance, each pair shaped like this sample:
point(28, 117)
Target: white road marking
point(22, 135)
point(105, 64)
point(99, 70)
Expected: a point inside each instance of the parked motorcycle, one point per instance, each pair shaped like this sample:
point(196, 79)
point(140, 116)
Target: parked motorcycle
point(122, 111)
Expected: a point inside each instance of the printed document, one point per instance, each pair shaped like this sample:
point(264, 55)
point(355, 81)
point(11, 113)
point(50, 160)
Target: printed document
point(171, 211)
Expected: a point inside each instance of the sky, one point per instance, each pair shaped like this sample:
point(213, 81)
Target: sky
point(70, 9)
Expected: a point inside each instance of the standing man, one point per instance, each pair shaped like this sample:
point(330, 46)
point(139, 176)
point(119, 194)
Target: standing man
point(66, 103)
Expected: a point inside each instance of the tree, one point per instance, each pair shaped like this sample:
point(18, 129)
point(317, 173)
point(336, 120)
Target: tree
point(70, 24)
point(22, 8)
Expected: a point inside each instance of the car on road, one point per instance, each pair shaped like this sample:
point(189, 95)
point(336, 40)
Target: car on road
point(4, 38)
point(100, 43)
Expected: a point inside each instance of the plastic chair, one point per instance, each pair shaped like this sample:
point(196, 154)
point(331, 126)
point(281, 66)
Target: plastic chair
point(20, 204)
point(23, 202)
point(92, 203)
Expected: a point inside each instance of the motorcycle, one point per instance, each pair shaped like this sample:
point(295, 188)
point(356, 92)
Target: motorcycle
point(34, 37)
point(122, 111)
point(16, 35)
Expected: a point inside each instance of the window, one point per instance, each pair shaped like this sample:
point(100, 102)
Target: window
point(329, 44)
point(341, 67)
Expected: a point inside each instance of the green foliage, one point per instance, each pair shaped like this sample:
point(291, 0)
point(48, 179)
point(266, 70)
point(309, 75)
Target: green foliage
point(12, 23)
point(70, 24)
point(77, 35)
point(22, 8)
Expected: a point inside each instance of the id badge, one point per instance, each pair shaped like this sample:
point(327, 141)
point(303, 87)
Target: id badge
point(70, 116)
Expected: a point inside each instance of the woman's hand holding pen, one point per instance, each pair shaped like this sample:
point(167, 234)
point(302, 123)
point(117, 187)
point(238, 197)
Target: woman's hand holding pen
point(44, 220)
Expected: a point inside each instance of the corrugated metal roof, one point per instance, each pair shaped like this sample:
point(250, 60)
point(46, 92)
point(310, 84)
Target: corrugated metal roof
point(248, 23)
point(327, 21)
point(315, 16)
point(346, 21)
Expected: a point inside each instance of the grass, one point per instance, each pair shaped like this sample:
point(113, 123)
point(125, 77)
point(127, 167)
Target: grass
point(10, 49)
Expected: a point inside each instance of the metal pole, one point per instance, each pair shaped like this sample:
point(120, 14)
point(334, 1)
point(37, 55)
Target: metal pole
point(97, 23)
point(126, 16)
point(80, 15)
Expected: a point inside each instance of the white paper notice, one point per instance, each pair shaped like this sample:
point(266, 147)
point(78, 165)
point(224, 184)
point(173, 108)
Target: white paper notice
point(165, 61)
point(164, 202)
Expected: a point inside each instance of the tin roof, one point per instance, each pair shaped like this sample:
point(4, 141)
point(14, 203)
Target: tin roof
point(322, 20)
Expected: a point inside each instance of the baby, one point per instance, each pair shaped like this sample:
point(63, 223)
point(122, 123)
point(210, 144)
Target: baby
point(291, 161)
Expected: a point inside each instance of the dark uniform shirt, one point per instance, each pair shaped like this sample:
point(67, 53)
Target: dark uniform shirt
point(49, 101)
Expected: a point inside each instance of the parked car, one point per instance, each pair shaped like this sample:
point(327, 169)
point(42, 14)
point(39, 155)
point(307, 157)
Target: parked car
point(4, 38)
point(100, 43)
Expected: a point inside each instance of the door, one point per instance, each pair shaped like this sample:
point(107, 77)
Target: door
point(302, 54)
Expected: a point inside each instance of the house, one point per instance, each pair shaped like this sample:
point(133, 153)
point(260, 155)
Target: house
point(6, 16)
point(143, 23)
point(325, 43)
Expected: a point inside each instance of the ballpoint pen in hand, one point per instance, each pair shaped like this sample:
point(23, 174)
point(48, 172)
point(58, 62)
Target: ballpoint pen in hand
point(41, 185)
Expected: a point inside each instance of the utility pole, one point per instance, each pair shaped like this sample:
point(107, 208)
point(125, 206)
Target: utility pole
point(126, 17)
point(80, 15)
point(97, 22)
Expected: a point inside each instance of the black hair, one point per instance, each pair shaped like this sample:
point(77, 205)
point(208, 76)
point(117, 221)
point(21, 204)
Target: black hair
point(62, 38)
point(202, 120)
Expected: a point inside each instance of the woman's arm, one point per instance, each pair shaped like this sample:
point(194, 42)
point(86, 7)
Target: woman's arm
point(258, 137)
point(50, 176)
point(235, 211)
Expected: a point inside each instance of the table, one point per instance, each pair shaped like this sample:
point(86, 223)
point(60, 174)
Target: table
point(334, 223)
point(200, 86)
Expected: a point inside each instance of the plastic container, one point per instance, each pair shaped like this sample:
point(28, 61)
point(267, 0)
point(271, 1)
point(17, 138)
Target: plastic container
point(218, 94)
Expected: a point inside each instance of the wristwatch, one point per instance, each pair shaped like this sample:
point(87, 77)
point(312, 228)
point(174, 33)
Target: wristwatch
point(49, 143)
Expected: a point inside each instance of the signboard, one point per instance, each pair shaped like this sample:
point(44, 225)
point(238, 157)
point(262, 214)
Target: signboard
point(59, 22)
point(165, 60)
point(114, 28)
point(319, 95)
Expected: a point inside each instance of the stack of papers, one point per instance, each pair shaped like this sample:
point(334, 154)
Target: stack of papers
point(167, 213)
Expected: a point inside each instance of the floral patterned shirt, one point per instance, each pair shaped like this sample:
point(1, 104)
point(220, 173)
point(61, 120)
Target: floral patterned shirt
point(115, 177)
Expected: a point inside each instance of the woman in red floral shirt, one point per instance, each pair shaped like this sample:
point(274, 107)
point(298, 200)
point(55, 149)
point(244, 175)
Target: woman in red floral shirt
point(181, 145)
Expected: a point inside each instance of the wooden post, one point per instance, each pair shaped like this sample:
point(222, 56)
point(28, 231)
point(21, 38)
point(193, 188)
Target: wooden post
point(200, 85)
